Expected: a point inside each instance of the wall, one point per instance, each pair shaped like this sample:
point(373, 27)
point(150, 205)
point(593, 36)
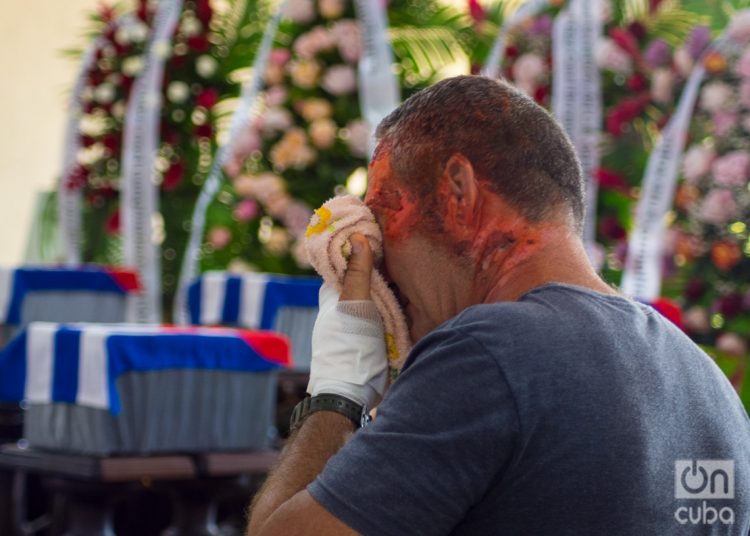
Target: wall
point(35, 80)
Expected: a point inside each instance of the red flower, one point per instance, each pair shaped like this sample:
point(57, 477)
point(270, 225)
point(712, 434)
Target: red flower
point(637, 82)
point(476, 11)
point(611, 228)
point(612, 180)
point(203, 11)
point(207, 98)
point(198, 43)
point(729, 305)
point(626, 111)
point(87, 141)
point(541, 93)
point(76, 178)
point(637, 30)
point(625, 40)
point(511, 51)
point(695, 289)
point(204, 131)
point(111, 142)
point(112, 226)
point(670, 310)
point(173, 176)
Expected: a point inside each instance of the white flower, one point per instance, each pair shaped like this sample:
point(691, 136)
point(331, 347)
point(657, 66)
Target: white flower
point(739, 27)
point(206, 66)
point(300, 11)
point(93, 125)
point(118, 109)
point(162, 49)
point(132, 66)
point(122, 35)
point(662, 84)
point(104, 93)
point(331, 9)
point(138, 31)
point(178, 92)
point(339, 80)
point(716, 96)
point(611, 57)
point(190, 26)
point(358, 138)
point(90, 155)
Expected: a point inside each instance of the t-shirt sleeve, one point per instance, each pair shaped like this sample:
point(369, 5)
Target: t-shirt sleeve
point(443, 435)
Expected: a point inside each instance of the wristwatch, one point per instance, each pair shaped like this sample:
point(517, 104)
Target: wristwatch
point(329, 402)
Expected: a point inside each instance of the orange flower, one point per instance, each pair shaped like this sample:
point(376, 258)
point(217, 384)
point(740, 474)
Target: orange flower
point(714, 63)
point(725, 254)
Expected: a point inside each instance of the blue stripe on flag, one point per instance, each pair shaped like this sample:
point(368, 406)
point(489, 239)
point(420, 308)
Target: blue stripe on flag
point(230, 314)
point(13, 369)
point(65, 369)
point(194, 301)
point(288, 292)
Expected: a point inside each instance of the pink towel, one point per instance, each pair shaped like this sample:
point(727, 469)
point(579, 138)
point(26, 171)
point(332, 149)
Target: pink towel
point(327, 245)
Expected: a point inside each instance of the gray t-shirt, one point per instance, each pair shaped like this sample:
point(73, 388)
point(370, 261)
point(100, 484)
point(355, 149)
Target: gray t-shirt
point(566, 412)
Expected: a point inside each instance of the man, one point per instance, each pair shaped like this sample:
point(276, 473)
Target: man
point(537, 400)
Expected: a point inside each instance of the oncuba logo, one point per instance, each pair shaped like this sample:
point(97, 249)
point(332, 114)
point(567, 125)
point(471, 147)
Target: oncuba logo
point(704, 479)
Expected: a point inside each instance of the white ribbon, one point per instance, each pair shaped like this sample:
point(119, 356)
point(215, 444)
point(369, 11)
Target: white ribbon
point(69, 199)
point(379, 91)
point(641, 277)
point(241, 118)
point(494, 62)
point(577, 94)
point(139, 191)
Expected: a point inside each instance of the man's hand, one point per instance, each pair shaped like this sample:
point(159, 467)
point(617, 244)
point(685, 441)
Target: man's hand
point(348, 342)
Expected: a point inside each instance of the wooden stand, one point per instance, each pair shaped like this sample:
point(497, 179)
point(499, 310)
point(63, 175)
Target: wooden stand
point(88, 486)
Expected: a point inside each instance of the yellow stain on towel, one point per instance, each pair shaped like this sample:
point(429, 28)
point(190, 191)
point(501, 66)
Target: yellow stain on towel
point(323, 215)
point(390, 346)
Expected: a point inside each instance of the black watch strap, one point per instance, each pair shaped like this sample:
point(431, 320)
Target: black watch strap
point(329, 402)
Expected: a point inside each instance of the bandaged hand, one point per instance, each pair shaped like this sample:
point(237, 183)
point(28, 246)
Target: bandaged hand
point(348, 342)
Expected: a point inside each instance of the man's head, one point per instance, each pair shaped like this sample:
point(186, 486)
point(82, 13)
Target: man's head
point(465, 169)
point(510, 141)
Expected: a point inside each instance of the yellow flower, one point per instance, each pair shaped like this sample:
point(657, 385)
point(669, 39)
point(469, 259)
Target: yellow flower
point(323, 215)
point(390, 345)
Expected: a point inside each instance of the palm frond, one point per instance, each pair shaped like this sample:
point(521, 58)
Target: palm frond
point(672, 22)
point(428, 50)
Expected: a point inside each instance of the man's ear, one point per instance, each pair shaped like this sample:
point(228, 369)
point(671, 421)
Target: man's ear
point(459, 175)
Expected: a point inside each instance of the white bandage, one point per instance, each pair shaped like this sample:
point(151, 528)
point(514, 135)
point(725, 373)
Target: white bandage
point(348, 350)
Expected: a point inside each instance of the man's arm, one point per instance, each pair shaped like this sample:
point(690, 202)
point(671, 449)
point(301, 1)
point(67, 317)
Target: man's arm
point(282, 505)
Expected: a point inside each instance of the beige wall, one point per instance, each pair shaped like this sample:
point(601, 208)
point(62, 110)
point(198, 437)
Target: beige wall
point(34, 83)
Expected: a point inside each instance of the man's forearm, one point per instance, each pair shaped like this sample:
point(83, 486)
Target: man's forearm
point(321, 435)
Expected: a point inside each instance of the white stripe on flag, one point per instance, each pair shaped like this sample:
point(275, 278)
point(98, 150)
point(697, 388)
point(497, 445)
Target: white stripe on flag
point(93, 387)
point(253, 294)
point(6, 292)
point(40, 349)
point(213, 294)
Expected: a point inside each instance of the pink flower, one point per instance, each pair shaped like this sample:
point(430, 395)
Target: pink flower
point(276, 95)
point(695, 320)
point(528, 71)
point(279, 56)
point(697, 162)
point(219, 237)
point(339, 80)
point(246, 210)
point(732, 344)
point(661, 86)
point(296, 217)
point(739, 27)
point(611, 57)
point(732, 168)
point(683, 61)
point(724, 122)
point(743, 65)
point(358, 138)
point(300, 11)
point(316, 40)
point(347, 35)
point(718, 207)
